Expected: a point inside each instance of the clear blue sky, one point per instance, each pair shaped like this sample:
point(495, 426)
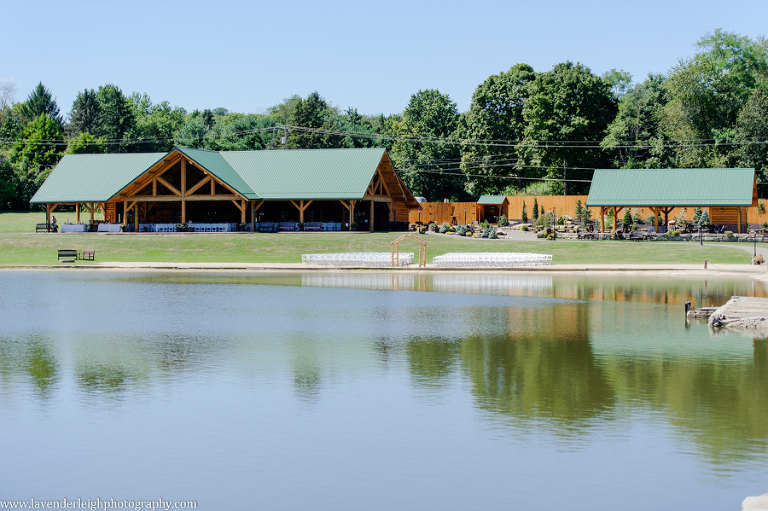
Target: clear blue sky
point(248, 56)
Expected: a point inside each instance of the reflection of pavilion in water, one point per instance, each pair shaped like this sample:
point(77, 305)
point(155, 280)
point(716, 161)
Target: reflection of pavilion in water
point(476, 283)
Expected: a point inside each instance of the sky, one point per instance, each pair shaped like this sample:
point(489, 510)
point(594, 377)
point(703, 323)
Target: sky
point(372, 56)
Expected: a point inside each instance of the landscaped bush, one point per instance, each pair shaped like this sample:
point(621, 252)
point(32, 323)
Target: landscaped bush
point(729, 234)
point(562, 220)
point(445, 228)
point(674, 234)
point(503, 221)
point(461, 229)
point(551, 236)
point(484, 224)
point(486, 231)
point(433, 226)
point(492, 234)
point(524, 227)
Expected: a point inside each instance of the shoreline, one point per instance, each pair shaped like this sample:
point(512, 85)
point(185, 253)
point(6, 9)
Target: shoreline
point(692, 270)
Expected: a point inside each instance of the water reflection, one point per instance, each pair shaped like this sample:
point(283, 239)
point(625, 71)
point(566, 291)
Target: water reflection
point(537, 352)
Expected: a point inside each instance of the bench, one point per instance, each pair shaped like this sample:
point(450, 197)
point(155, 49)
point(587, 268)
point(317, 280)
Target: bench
point(42, 228)
point(313, 226)
point(67, 256)
point(88, 255)
point(636, 236)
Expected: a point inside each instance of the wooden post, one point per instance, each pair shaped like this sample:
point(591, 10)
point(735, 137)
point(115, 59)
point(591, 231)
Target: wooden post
point(77, 212)
point(47, 217)
point(183, 178)
point(614, 218)
point(136, 209)
point(602, 219)
point(183, 211)
point(370, 219)
point(739, 208)
point(351, 213)
point(243, 209)
point(253, 216)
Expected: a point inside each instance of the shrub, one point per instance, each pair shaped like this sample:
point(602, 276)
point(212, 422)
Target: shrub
point(614, 235)
point(535, 209)
point(503, 221)
point(484, 224)
point(485, 233)
point(551, 236)
point(525, 227)
point(758, 259)
point(627, 218)
point(524, 215)
point(729, 234)
point(445, 228)
point(461, 229)
point(492, 234)
point(562, 220)
point(433, 226)
point(674, 234)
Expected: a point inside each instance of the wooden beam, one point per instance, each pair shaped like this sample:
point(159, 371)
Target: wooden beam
point(195, 198)
point(170, 187)
point(183, 178)
point(183, 211)
point(199, 185)
point(77, 212)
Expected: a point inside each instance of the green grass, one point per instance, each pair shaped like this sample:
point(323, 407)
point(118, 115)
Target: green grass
point(19, 245)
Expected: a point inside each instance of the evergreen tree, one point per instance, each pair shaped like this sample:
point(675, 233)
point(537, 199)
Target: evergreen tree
point(40, 101)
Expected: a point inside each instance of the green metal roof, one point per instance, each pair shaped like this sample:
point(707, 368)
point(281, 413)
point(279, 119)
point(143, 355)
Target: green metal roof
point(491, 200)
point(307, 173)
point(276, 175)
point(93, 177)
point(215, 163)
point(671, 187)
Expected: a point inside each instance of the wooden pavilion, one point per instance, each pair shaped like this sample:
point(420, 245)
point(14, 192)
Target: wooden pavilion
point(348, 186)
point(726, 192)
point(491, 207)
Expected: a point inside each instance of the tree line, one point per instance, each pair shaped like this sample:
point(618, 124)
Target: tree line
point(526, 132)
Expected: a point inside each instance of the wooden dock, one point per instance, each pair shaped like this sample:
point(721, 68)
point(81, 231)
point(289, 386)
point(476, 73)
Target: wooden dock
point(743, 312)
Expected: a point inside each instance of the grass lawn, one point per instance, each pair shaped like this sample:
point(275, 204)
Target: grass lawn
point(20, 245)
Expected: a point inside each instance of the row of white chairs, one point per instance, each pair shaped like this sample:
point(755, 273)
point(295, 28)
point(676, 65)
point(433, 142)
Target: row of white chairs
point(364, 259)
point(505, 259)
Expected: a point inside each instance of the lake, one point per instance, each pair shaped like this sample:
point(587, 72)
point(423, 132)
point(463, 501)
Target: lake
point(371, 390)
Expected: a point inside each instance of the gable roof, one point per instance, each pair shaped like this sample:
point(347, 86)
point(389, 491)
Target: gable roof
point(93, 177)
point(307, 173)
point(269, 175)
point(491, 200)
point(672, 187)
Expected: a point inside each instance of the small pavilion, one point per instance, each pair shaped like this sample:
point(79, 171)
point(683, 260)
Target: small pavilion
point(491, 207)
point(725, 192)
point(349, 186)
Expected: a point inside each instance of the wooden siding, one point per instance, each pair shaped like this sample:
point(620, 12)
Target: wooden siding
point(439, 212)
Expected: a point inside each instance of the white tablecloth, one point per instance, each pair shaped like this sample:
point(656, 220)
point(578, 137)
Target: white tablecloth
point(109, 227)
point(74, 228)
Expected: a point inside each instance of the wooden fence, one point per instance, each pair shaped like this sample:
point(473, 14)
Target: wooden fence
point(453, 212)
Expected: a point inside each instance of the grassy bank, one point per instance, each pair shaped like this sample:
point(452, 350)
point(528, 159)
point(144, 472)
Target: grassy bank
point(19, 245)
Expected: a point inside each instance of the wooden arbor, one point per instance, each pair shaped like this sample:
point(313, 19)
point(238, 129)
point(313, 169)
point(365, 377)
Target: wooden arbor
point(396, 250)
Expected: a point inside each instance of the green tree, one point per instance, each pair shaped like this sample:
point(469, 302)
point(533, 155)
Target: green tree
point(618, 80)
point(752, 132)
point(41, 101)
point(117, 119)
point(35, 155)
point(85, 143)
point(496, 113)
point(634, 135)
point(156, 124)
point(312, 112)
point(568, 108)
point(426, 147)
point(706, 94)
point(85, 114)
point(524, 218)
point(535, 209)
point(8, 184)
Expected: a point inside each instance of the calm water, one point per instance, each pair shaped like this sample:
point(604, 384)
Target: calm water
point(377, 391)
